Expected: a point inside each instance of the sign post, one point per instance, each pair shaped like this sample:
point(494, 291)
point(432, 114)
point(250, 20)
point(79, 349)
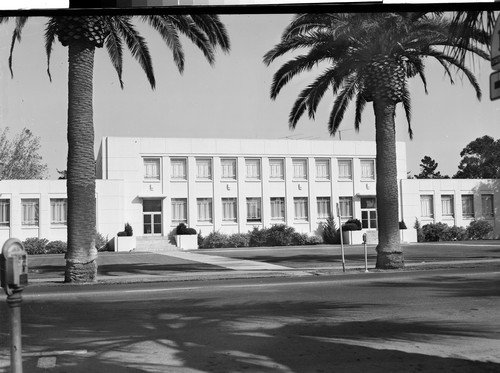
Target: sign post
point(341, 238)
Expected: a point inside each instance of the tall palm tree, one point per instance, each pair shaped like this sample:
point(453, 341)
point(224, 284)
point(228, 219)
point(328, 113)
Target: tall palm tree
point(82, 35)
point(369, 58)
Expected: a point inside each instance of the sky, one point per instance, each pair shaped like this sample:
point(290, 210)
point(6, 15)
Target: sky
point(228, 100)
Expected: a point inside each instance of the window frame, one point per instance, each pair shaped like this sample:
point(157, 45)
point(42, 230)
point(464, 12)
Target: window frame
point(319, 202)
point(465, 214)
point(430, 198)
point(184, 162)
point(451, 199)
point(281, 209)
point(325, 161)
point(234, 203)
point(258, 164)
point(302, 176)
point(30, 222)
point(340, 162)
point(346, 201)
point(302, 202)
point(173, 211)
point(157, 163)
point(5, 212)
point(233, 166)
point(204, 162)
point(371, 162)
point(484, 213)
point(201, 202)
point(275, 161)
point(63, 222)
point(258, 217)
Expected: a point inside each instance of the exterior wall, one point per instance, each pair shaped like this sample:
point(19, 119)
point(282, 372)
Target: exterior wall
point(109, 208)
point(122, 159)
point(413, 189)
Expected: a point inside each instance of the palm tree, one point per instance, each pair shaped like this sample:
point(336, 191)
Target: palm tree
point(369, 57)
point(82, 35)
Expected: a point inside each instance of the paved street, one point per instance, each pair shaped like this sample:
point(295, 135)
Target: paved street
point(415, 321)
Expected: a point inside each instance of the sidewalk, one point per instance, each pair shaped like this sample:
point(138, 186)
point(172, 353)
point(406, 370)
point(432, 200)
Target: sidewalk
point(190, 265)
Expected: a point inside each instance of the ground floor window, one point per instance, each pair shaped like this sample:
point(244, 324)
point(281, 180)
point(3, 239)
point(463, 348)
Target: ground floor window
point(4, 212)
point(204, 210)
point(447, 208)
point(487, 205)
point(58, 211)
point(369, 213)
point(179, 210)
point(427, 206)
point(468, 206)
point(254, 210)
point(229, 209)
point(29, 211)
point(345, 207)
point(324, 209)
point(301, 208)
point(278, 208)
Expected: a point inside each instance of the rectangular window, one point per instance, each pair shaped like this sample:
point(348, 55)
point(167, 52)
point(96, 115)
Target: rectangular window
point(368, 169)
point(323, 169)
point(179, 210)
point(29, 211)
point(229, 209)
point(204, 210)
point(324, 209)
point(252, 169)
point(253, 210)
point(204, 169)
point(58, 211)
point(151, 169)
point(300, 207)
point(178, 168)
point(447, 208)
point(276, 169)
point(468, 206)
point(345, 207)
point(487, 205)
point(427, 206)
point(278, 208)
point(299, 169)
point(345, 169)
point(4, 213)
point(228, 168)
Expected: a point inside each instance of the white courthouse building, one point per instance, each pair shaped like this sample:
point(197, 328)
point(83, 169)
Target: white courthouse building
point(233, 185)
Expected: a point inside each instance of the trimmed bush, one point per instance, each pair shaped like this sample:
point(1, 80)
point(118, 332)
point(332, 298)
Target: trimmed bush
point(127, 231)
point(314, 240)
point(434, 232)
point(35, 245)
point(478, 229)
point(352, 225)
point(454, 234)
point(280, 235)
point(101, 242)
point(238, 240)
point(215, 240)
point(182, 229)
point(257, 237)
point(418, 228)
point(299, 238)
point(402, 225)
point(56, 247)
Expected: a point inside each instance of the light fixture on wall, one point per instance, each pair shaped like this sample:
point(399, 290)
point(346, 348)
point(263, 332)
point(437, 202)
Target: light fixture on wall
point(151, 187)
point(228, 187)
point(299, 186)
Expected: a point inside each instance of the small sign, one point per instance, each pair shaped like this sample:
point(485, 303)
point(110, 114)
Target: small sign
point(495, 85)
point(495, 46)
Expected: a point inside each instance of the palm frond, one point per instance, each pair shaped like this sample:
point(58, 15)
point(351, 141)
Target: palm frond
point(16, 36)
point(360, 105)
point(114, 46)
point(340, 105)
point(214, 29)
point(407, 107)
point(50, 36)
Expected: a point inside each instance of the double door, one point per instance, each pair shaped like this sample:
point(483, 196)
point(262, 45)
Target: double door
point(152, 220)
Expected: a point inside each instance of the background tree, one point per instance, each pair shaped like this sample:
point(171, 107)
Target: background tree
point(20, 156)
point(428, 168)
point(480, 159)
point(82, 35)
point(369, 57)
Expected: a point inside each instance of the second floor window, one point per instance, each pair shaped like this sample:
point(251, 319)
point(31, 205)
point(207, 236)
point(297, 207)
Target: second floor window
point(58, 211)
point(29, 211)
point(368, 169)
point(468, 206)
point(427, 206)
point(276, 169)
point(151, 169)
point(345, 171)
point(323, 169)
point(204, 169)
point(252, 169)
point(299, 169)
point(178, 168)
point(487, 205)
point(228, 168)
point(4, 212)
point(447, 205)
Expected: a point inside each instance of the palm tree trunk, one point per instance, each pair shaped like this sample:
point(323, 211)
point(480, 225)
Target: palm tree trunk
point(81, 265)
point(389, 254)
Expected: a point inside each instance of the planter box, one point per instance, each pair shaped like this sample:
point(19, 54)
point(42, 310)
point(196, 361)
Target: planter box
point(125, 243)
point(187, 241)
point(352, 237)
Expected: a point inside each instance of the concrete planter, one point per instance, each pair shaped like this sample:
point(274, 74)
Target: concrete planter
point(187, 241)
point(352, 237)
point(125, 243)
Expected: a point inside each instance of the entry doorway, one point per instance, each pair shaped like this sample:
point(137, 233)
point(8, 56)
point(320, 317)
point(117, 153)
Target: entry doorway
point(151, 211)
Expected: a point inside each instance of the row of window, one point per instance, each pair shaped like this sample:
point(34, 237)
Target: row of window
point(30, 212)
point(448, 206)
point(178, 169)
point(254, 209)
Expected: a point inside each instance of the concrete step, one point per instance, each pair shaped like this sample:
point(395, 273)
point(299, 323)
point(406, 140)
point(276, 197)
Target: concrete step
point(154, 244)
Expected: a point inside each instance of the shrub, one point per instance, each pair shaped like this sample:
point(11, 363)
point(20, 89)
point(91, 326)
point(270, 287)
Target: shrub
point(314, 240)
point(257, 237)
point(478, 229)
point(454, 234)
point(182, 229)
point(418, 228)
point(352, 225)
point(238, 240)
point(215, 240)
point(402, 225)
point(101, 242)
point(127, 231)
point(35, 245)
point(280, 235)
point(330, 233)
point(56, 247)
point(200, 239)
point(434, 231)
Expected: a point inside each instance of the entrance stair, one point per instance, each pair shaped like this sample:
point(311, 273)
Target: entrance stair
point(154, 244)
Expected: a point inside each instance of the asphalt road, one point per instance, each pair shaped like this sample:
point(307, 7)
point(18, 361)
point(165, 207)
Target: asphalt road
point(426, 321)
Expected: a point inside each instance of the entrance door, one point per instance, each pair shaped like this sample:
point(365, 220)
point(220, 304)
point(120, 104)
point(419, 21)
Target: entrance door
point(369, 212)
point(151, 209)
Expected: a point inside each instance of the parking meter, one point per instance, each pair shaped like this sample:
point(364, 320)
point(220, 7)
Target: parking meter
point(364, 237)
point(13, 265)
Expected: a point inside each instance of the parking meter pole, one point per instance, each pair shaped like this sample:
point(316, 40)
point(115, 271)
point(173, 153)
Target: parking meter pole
point(14, 303)
point(366, 257)
point(342, 248)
